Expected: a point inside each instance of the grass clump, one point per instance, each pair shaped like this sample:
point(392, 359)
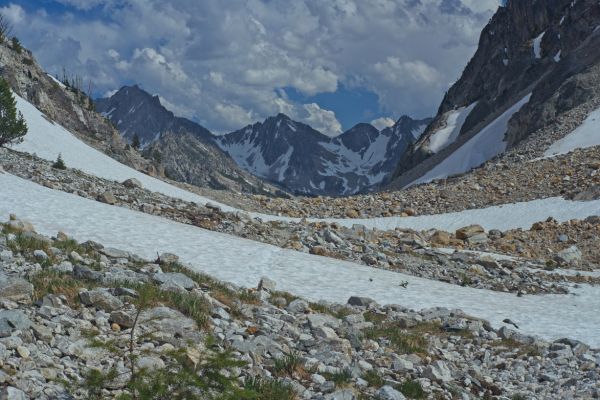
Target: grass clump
point(269, 389)
point(287, 365)
point(373, 378)
point(403, 342)
point(59, 283)
point(341, 379)
point(412, 389)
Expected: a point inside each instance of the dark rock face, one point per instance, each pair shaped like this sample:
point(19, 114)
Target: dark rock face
point(185, 149)
point(305, 161)
point(548, 48)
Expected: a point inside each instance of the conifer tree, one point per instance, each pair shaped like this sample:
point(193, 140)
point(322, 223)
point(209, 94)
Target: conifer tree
point(12, 124)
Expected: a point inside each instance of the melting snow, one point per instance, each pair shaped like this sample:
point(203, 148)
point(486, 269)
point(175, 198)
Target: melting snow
point(586, 135)
point(47, 140)
point(454, 123)
point(244, 262)
point(488, 143)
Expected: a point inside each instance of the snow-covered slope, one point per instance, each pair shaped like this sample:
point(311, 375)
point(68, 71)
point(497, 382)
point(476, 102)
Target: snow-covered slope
point(244, 262)
point(587, 135)
point(47, 140)
point(446, 135)
point(486, 144)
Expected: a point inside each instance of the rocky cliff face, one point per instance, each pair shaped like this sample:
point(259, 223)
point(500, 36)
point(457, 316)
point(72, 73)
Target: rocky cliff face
point(307, 162)
point(186, 149)
point(548, 48)
point(67, 106)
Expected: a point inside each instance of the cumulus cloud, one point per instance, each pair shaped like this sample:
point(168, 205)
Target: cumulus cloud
point(14, 13)
point(383, 122)
point(322, 120)
point(225, 63)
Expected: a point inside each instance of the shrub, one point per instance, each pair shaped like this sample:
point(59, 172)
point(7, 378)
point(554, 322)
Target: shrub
point(59, 163)
point(412, 390)
point(12, 124)
point(16, 45)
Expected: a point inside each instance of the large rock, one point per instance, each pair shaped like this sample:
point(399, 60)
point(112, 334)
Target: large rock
point(438, 371)
point(100, 298)
point(12, 393)
point(132, 183)
point(175, 278)
point(389, 393)
point(360, 301)
point(11, 320)
point(14, 288)
point(107, 197)
point(266, 284)
point(572, 255)
point(469, 231)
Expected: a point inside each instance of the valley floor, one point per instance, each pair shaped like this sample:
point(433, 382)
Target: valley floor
point(244, 262)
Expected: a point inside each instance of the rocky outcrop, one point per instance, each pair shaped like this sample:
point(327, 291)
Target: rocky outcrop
point(547, 48)
point(67, 106)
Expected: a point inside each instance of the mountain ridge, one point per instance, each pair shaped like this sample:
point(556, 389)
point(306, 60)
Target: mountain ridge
point(288, 153)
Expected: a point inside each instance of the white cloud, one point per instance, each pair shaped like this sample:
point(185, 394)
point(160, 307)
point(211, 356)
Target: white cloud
point(383, 122)
point(14, 13)
point(322, 120)
point(225, 62)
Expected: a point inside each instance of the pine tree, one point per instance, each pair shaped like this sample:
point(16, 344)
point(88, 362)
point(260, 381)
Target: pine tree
point(135, 142)
point(16, 45)
point(59, 163)
point(12, 124)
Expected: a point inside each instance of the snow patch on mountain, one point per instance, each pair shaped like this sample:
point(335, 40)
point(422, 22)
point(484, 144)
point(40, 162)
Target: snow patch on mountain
point(586, 135)
point(448, 134)
point(486, 144)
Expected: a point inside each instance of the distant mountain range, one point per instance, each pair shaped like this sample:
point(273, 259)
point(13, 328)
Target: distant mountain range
point(279, 150)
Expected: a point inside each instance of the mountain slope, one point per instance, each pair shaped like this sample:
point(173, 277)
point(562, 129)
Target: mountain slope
point(546, 48)
point(186, 150)
point(288, 153)
point(308, 162)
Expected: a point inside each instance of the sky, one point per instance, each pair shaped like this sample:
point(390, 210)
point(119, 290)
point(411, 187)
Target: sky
point(230, 63)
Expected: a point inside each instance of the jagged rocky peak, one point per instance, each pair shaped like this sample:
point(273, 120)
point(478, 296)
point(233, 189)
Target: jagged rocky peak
point(135, 111)
point(535, 61)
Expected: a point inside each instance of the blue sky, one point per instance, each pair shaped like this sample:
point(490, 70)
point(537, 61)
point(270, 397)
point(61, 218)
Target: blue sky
point(226, 64)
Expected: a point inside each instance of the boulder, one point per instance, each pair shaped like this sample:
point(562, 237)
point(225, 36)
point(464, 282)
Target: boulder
point(100, 298)
point(469, 231)
point(572, 255)
point(15, 288)
point(438, 371)
point(266, 284)
point(360, 301)
point(389, 393)
point(132, 183)
point(107, 197)
point(297, 306)
point(175, 278)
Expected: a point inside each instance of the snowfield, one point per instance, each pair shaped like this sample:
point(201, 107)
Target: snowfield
point(47, 140)
point(244, 262)
point(485, 145)
point(586, 135)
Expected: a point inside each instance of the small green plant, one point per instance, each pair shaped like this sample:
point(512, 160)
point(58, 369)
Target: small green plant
point(518, 396)
point(341, 378)
point(263, 389)
point(411, 389)
point(373, 379)
point(402, 342)
point(287, 365)
point(59, 163)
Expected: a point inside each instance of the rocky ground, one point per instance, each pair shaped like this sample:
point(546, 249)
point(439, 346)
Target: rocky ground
point(527, 269)
point(80, 321)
